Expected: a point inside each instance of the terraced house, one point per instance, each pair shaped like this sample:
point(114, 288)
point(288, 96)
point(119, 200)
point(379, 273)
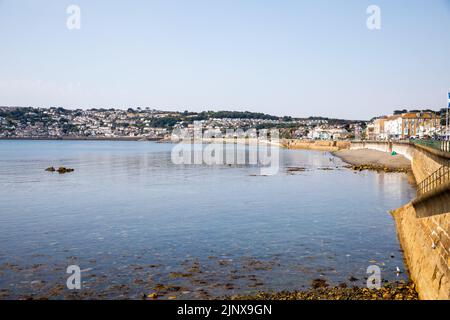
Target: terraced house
point(407, 125)
point(420, 124)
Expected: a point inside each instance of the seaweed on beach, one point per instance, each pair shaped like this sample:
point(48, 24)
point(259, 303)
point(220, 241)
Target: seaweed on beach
point(393, 291)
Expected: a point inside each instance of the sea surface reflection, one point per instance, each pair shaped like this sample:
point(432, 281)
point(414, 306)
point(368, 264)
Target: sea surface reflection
point(137, 223)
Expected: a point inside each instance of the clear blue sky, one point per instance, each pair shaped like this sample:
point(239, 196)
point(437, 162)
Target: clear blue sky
point(296, 58)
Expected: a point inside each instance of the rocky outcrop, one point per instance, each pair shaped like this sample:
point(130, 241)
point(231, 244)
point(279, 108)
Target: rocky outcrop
point(378, 168)
point(61, 170)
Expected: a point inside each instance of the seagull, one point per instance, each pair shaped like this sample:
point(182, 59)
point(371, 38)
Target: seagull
point(433, 246)
point(398, 270)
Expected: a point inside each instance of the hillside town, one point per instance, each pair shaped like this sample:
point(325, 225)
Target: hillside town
point(151, 124)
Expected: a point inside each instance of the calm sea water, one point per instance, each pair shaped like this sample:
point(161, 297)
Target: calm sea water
point(136, 223)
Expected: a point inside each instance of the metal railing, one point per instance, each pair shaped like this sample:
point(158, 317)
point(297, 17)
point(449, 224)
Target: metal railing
point(437, 178)
point(435, 144)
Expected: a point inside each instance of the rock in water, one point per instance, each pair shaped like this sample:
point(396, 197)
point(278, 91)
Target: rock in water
point(319, 283)
point(62, 170)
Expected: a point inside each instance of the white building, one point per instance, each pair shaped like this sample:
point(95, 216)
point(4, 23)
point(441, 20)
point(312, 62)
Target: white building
point(393, 127)
point(327, 133)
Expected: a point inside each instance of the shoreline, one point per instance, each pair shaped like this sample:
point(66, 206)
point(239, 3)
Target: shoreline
point(319, 290)
point(318, 145)
point(79, 139)
point(389, 291)
point(367, 159)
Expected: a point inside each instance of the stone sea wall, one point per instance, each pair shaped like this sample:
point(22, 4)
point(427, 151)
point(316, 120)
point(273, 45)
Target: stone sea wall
point(425, 241)
point(426, 244)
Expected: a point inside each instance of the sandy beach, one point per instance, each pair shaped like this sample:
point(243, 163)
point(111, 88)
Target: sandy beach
point(373, 157)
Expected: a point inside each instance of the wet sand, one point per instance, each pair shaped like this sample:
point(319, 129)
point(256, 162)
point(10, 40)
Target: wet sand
point(375, 158)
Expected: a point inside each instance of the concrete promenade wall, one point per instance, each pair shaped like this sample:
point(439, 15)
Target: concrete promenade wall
point(425, 241)
point(424, 161)
point(321, 145)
